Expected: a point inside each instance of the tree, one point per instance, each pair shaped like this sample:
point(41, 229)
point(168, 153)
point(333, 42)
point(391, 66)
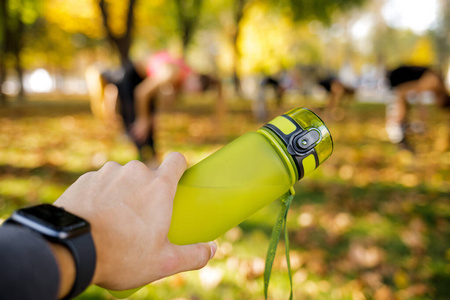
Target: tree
point(16, 17)
point(238, 13)
point(322, 10)
point(188, 14)
point(441, 36)
point(298, 10)
point(123, 41)
point(3, 34)
point(14, 14)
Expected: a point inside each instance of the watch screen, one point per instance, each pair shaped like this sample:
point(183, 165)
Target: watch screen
point(54, 217)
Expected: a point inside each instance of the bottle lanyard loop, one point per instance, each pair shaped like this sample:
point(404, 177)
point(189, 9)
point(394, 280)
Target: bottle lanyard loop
point(286, 201)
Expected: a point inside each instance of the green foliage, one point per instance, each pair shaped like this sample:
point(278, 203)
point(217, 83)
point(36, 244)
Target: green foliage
point(27, 10)
point(322, 10)
point(187, 15)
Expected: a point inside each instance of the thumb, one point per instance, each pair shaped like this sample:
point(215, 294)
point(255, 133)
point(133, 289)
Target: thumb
point(193, 257)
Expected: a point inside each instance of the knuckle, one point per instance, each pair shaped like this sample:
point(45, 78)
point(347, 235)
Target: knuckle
point(110, 165)
point(171, 264)
point(136, 171)
point(164, 179)
point(86, 176)
point(135, 165)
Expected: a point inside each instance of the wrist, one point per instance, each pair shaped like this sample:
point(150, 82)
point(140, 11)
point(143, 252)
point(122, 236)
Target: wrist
point(66, 266)
point(70, 240)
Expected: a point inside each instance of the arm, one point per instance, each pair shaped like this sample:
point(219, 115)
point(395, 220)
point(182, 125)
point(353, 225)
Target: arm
point(130, 208)
point(66, 267)
point(110, 104)
point(144, 93)
point(25, 257)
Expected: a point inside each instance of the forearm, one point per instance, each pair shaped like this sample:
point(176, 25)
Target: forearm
point(143, 94)
point(110, 102)
point(66, 266)
point(28, 267)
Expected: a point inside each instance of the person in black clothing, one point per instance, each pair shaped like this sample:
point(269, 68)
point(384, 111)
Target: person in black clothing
point(407, 81)
point(276, 84)
point(259, 106)
point(337, 92)
point(127, 79)
point(134, 88)
point(405, 74)
point(129, 209)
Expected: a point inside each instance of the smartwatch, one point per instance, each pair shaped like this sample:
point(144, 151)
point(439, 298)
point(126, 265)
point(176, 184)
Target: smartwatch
point(59, 226)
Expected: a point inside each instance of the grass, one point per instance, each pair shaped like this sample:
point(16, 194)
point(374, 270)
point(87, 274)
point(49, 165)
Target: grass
point(373, 222)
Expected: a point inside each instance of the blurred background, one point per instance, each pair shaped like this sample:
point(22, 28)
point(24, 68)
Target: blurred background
point(373, 222)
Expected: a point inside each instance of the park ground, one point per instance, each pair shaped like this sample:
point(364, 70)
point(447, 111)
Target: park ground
point(373, 222)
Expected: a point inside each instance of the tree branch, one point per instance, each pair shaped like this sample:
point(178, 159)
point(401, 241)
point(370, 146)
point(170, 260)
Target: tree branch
point(130, 18)
point(104, 11)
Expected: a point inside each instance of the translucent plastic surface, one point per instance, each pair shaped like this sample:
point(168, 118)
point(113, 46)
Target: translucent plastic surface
point(223, 190)
point(226, 188)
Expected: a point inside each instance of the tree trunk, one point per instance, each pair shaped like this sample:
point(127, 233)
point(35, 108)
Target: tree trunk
point(187, 20)
point(16, 49)
point(186, 37)
point(12, 32)
point(443, 38)
point(2, 80)
point(123, 43)
point(238, 14)
point(3, 16)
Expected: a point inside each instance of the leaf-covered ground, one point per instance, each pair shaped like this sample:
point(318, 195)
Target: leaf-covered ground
point(373, 222)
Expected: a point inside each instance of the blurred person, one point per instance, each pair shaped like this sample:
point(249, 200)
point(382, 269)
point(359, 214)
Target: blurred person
point(137, 87)
point(408, 82)
point(338, 94)
point(275, 82)
point(111, 230)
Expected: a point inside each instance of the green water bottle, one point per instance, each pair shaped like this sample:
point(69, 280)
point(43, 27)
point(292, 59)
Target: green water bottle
point(252, 171)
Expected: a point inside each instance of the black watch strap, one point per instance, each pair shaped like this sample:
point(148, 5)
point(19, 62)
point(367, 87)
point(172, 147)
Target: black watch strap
point(83, 251)
point(84, 255)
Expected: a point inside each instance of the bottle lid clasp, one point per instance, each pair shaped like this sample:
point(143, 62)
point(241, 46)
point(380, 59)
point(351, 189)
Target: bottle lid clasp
point(303, 141)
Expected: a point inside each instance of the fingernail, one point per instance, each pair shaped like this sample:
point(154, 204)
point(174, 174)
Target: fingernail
point(213, 247)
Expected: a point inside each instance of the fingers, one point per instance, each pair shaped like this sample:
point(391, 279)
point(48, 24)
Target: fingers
point(190, 257)
point(162, 189)
point(173, 167)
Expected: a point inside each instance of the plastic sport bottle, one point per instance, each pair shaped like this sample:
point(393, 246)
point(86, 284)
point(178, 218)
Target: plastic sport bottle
point(252, 171)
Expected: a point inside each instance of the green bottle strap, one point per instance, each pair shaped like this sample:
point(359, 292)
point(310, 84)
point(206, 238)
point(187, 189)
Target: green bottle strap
point(286, 201)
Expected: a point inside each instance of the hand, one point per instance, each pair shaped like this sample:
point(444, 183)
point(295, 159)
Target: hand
point(130, 208)
point(140, 129)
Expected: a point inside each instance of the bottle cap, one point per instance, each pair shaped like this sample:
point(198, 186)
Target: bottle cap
point(302, 139)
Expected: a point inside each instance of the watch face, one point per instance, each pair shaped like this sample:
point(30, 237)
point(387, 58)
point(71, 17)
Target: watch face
point(51, 220)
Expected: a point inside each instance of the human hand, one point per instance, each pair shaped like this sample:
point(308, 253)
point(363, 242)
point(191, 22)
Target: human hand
point(129, 208)
point(140, 129)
